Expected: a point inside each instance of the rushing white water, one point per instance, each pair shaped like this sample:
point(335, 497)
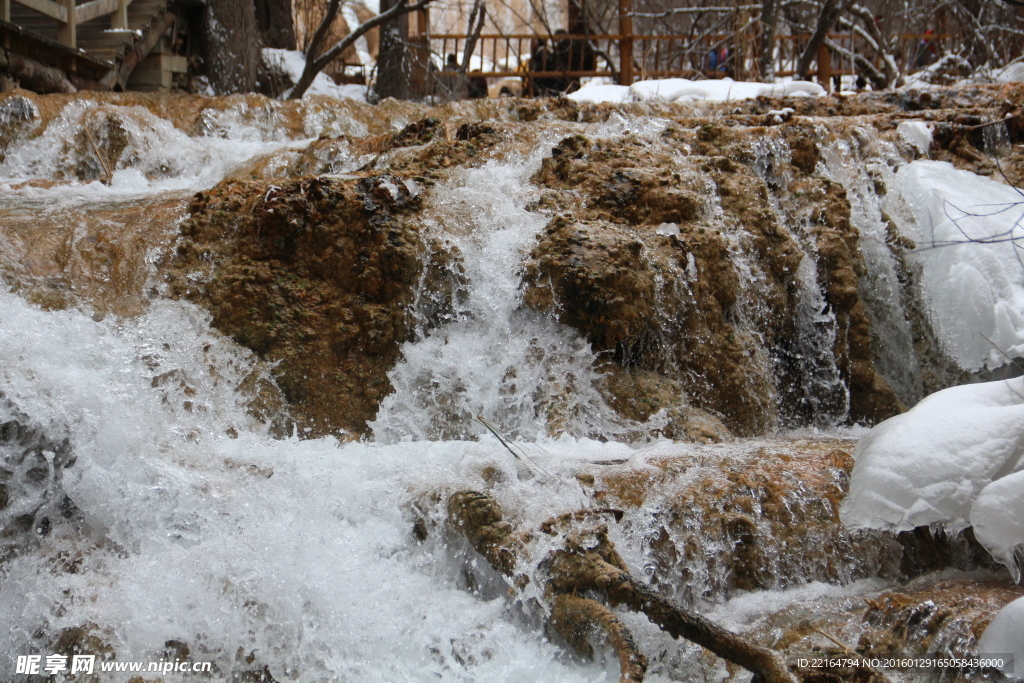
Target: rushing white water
point(190, 523)
point(138, 150)
point(200, 528)
point(512, 366)
point(184, 520)
point(297, 551)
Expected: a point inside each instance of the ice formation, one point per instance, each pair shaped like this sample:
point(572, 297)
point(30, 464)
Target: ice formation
point(684, 90)
point(998, 519)
point(965, 227)
point(1005, 635)
point(916, 133)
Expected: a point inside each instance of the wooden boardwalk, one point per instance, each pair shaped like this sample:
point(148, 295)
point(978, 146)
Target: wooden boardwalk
point(101, 44)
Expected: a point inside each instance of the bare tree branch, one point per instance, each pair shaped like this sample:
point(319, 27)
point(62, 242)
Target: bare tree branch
point(315, 64)
point(477, 16)
point(589, 562)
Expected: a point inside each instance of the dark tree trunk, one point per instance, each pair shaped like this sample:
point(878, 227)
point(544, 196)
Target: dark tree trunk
point(393, 63)
point(231, 45)
point(830, 11)
point(274, 20)
point(769, 22)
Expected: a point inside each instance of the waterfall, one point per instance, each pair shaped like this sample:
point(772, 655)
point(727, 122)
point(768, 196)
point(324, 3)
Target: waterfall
point(863, 165)
point(495, 359)
point(147, 507)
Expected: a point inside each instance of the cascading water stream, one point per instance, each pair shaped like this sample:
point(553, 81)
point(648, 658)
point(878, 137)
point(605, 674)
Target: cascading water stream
point(517, 368)
point(822, 393)
point(861, 173)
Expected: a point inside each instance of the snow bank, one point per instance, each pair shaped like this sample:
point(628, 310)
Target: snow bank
point(292, 62)
point(973, 290)
point(1005, 634)
point(929, 465)
point(1012, 73)
point(598, 93)
point(683, 90)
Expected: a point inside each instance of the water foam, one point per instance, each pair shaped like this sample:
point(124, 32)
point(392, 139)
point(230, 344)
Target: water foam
point(135, 152)
point(515, 367)
point(214, 534)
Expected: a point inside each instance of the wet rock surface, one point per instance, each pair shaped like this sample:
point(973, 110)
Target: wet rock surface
point(32, 498)
point(726, 524)
point(705, 525)
point(317, 277)
point(58, 257)
point(940, 617)
point(641, 258)
point(754, 310)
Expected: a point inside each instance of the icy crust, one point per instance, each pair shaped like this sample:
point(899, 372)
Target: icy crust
point(684, 90)
point(1006, 634)
point(953, 460)
point(972, 279)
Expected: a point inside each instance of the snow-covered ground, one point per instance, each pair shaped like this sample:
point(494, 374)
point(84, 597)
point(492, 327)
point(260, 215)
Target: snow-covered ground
point(292, 62)
point(683, 90)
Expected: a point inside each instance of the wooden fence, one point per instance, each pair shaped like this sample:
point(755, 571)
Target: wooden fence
point(625, 57)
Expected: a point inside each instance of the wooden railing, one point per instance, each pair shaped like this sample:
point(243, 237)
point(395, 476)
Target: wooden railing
point(69, 15)
point(654, 56)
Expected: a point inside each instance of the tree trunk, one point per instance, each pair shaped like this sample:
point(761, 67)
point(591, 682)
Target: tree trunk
point(769, 23)
point(274, 20)
point(393, 60)
point(231, 45)
point(830, 11)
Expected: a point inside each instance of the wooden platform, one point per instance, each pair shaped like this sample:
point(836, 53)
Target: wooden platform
point(115, 44)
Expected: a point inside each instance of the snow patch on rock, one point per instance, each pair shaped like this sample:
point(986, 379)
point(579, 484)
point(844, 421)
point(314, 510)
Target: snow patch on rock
point(916, 133)
point(998, 519)
point(1005, 634)
point(929, 465)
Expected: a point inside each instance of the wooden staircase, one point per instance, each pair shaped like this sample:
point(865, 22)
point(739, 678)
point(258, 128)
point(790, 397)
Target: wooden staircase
point(107, 44)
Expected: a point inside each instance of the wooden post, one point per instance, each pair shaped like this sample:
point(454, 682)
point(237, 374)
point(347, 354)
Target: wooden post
point(419, 70)
point(626, 42)
point(5, 10)
point(119, 19)
point(824, 67)
point(66, 31)
point(576, 21)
